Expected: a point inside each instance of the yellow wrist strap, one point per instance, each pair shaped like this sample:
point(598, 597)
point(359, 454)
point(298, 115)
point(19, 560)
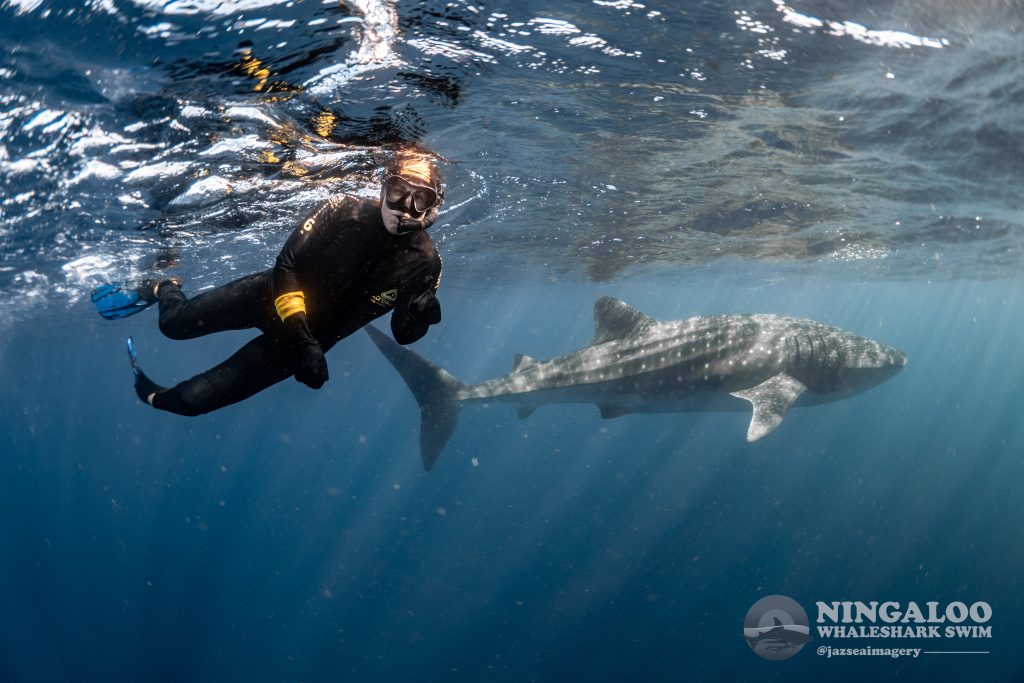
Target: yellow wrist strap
point(290, 304)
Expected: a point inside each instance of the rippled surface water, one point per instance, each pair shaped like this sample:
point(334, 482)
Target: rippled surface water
point(854, 163)
point(589, 139)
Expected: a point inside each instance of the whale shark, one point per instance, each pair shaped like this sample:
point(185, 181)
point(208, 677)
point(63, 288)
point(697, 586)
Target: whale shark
point(636, 364)
point(777, 637)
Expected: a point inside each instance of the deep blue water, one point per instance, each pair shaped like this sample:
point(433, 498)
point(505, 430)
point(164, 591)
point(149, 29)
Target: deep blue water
point(295, 537)
point(688, 158)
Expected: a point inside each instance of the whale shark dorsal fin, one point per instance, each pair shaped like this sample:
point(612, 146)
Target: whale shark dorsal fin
point(521, 362)
point(771, 399)
point(615, 319)
point(778, 622)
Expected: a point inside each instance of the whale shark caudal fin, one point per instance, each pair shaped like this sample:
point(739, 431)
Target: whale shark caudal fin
point(434, 389)
point(771, 399)
point(615, 319)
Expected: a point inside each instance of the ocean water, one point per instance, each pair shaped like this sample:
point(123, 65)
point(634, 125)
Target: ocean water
point(858, 165)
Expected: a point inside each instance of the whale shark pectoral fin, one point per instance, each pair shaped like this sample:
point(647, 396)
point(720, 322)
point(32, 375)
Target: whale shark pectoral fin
point(615, 319)
point(524, 411)
point(610, 411)
point(771, 400)
point(521, 362)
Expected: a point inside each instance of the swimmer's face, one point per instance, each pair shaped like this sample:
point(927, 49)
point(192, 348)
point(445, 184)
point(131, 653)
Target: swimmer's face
point(408, 203)
point(407, 206)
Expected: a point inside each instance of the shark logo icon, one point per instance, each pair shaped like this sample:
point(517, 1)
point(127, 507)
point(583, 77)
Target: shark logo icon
point(776, 627)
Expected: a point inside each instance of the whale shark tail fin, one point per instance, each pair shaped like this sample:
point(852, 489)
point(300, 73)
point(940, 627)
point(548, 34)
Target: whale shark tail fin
point(435, 390)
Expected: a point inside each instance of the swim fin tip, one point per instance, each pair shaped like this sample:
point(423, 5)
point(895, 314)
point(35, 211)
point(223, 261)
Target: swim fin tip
point(116, 300)
point(144, 386)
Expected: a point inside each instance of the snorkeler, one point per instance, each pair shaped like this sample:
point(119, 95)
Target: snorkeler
point(351, 261)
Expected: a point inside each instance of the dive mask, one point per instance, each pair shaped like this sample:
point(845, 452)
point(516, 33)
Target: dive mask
point(398, 191)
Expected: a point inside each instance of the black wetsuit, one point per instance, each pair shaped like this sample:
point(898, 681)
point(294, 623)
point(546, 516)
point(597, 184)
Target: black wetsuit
point(351, 270)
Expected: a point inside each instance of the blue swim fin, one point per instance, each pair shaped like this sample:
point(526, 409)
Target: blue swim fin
point(133, 358)
point(118, 300)
point(144, 386)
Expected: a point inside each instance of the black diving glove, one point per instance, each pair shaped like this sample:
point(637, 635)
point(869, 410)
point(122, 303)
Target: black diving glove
point(415, 313)
point(425, 308)
point(309, 362)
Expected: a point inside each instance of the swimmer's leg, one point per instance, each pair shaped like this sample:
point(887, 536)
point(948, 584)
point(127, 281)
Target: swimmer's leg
point(238, 305)
point(254, 367)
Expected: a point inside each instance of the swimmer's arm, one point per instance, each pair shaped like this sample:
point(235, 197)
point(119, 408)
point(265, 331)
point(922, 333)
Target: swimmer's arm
point(306, 246)
point(286, 277)
point(290, 299)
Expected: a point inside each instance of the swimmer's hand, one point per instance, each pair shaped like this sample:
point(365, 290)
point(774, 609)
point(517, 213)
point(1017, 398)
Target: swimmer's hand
point(415, 312)
point(312, 367)
point(425, 308)
point(309, 362)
